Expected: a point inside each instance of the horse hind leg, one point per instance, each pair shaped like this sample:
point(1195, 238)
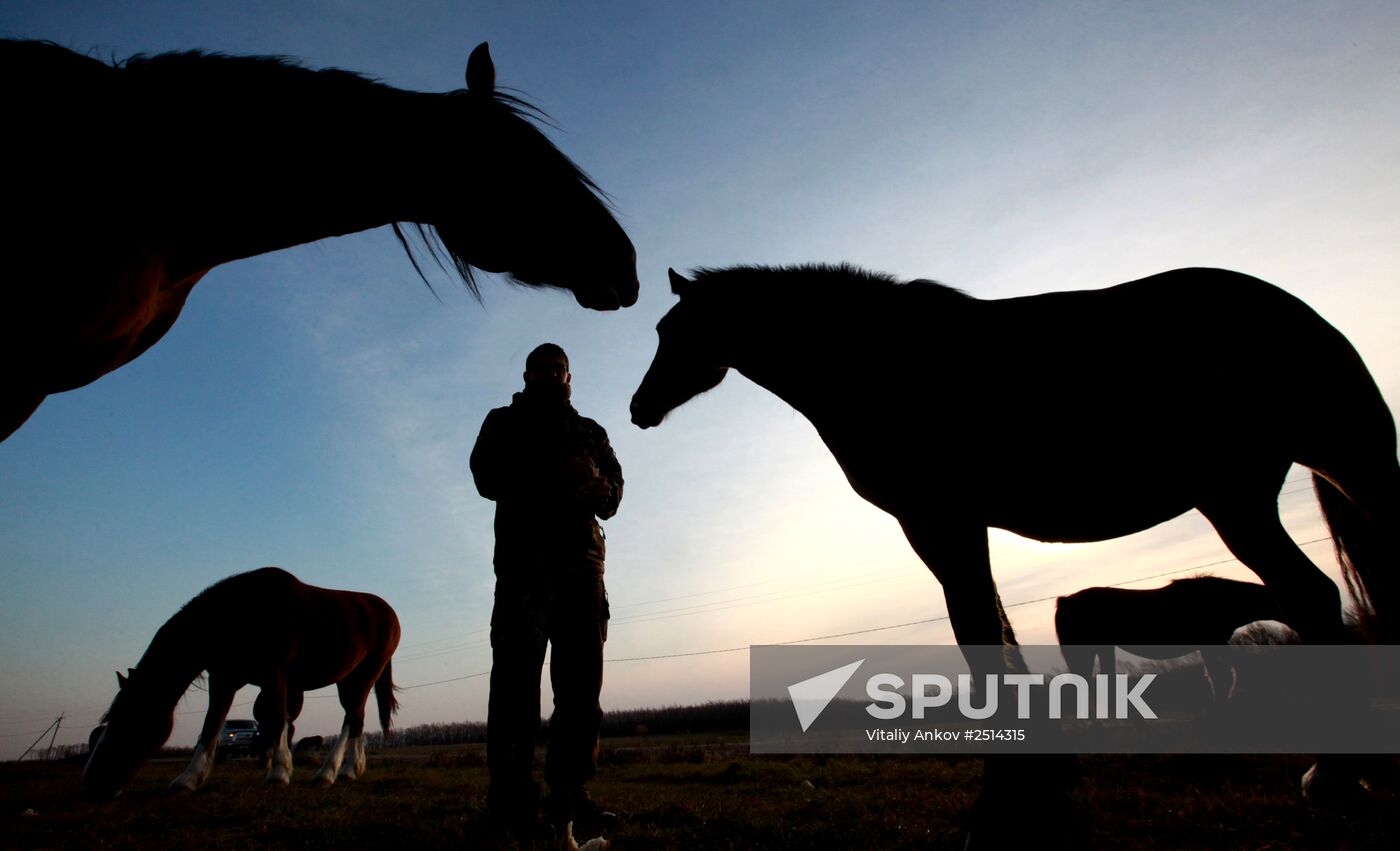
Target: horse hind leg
point(352, 763)
point(271, 711)
point(1079, 658)
point(279, 770)
point(1251, 530)
point(1310, 603)
point(346, 759)
point(354, 766)
point(335, 756)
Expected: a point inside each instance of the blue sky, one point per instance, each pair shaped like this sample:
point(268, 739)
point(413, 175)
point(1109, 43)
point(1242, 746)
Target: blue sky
point(315, 408)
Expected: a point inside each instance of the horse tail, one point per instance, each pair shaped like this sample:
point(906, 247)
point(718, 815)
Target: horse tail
point(1364, 555)
point(384, 689)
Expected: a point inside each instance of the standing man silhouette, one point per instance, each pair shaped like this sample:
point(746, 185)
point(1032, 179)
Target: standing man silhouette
point(553, 475)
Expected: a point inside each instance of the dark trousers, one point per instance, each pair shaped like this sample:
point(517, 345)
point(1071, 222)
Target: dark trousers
point(571, 615)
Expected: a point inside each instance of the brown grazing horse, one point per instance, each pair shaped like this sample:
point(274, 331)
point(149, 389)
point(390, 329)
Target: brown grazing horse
point(1185, 616)
point(265, 628)
point(128, 182)
point(1069, 417)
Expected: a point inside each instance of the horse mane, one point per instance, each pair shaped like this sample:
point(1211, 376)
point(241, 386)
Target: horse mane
point(1199, 579)
point(843, 283)
point(200, 604)
point(168, 653)
point(197, 71)
point(206, 608)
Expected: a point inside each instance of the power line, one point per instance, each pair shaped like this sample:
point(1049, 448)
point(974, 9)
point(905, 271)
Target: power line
point(734, 602)
point(868, 630)
point(716, 651)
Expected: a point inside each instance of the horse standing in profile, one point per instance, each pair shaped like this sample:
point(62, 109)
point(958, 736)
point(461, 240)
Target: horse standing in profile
point(1185, 616)
point(266, 628)
point(1066, 417)
point(127, 183)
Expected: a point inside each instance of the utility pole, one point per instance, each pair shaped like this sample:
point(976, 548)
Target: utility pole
point(54, 737)
point(54, 727)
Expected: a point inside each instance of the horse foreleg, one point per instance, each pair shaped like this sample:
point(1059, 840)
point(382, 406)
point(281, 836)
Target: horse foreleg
point(1024, 799)
point(220, 699)
point(197, 772)
point(1220, 673)
point(295, 699)
point(958, 558)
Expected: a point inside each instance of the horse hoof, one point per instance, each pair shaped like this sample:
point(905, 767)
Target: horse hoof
point(321, 781)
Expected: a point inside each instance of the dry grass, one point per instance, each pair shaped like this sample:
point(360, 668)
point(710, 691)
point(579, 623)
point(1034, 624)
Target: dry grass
point(687, 793)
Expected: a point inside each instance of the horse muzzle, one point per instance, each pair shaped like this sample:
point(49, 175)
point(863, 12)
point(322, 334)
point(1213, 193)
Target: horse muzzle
point(606, 297)
point(643, 418)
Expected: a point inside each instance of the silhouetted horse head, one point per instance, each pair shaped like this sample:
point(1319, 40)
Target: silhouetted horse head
point(537, 217)
point(690, 358)
point(137, 723)
point(316, 153)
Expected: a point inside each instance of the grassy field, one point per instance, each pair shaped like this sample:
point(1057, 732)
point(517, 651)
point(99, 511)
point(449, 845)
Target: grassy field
point(693, 793)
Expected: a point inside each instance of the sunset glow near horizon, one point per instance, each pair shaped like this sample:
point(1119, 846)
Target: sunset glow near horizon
point(314, 408)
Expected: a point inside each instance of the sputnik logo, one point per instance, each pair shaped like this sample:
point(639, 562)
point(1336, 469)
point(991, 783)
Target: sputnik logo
point(811, 696)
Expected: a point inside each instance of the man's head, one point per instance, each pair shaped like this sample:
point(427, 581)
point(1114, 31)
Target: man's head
point(546, 368)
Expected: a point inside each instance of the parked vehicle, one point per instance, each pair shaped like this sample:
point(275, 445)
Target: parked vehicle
point(238, 738)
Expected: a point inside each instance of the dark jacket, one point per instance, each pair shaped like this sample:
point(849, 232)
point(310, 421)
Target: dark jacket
point(534, 459)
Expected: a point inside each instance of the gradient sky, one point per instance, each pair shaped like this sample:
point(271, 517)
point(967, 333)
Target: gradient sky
point(314, 408)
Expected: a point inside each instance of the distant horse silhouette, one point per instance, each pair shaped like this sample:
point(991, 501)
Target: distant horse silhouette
point(306, 744)
point(266, 628)
point(1197, 614)
point(1072, 416)
point(128, 182)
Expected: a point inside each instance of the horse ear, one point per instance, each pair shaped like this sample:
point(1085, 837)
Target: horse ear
point(121, 681)
point(481, 73)
point(679, 283)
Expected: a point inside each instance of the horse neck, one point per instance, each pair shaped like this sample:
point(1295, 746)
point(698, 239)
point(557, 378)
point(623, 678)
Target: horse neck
point(277, 169)
point(763, 360)
point(814, 363)
point(173, 659)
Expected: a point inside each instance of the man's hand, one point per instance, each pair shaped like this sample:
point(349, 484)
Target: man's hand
point(586, 480)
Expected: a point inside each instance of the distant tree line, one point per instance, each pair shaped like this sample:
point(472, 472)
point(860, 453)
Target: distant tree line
point(716, 716)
